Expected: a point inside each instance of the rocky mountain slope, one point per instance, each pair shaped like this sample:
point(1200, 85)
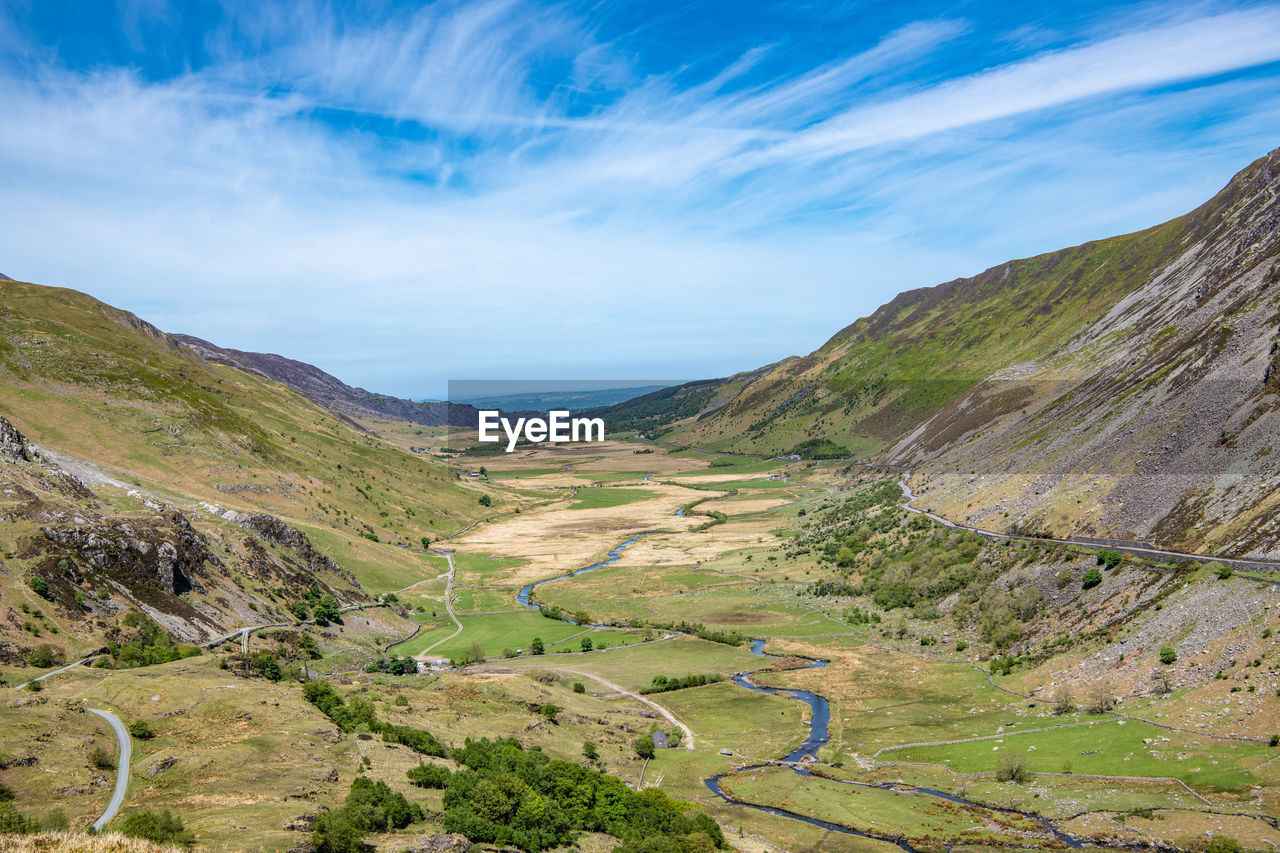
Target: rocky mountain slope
point(1123, 387)
point(136, 475)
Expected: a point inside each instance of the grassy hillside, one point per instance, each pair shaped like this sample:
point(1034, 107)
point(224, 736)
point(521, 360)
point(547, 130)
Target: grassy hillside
point(881, 377)
point(82, 378)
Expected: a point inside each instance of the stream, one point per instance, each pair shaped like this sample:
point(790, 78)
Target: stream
point(819, 735)
point(616, 554)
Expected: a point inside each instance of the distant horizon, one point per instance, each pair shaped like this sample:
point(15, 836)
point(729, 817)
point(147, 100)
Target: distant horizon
point(399, 193)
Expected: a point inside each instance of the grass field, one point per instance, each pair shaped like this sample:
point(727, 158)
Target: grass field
point(606, 498)
point(494, 632)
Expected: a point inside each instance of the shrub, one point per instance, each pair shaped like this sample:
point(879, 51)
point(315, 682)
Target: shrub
point(44, 656)
point(550, 711)
point(1225, 572)
point(102, 759)
point(429, 776)
point(1222, 844)
point(39, 586)
point(536, 646)
point(1091, 578)
point(419, 740)
point(141, 730)
point(590, 752)
point(644, 747)
point(401, 701)
point(162, 827)
point(1168, 655)
point(1014, 768)
point(1275, 740)
point(579, 687)
point(15, 822)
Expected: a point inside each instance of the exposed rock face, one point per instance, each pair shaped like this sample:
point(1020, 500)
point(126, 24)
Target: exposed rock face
point(13, 444)
point(170, 555)
point(301, 823)
point(275, 532)
point(1155, 422)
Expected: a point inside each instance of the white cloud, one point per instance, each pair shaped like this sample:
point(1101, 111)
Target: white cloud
point(675, 228)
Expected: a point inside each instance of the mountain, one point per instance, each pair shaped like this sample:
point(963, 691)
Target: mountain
point(137, 473)
point(1125, 387)
point(331, 392)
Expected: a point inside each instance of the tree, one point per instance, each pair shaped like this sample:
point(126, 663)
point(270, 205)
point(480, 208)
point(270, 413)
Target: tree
point(44, 656)
point(326, 610)
point(550, 711)
point(141, 730)
point(586, 644)
point(1014, 768)
point(429, 776)
point(485, 500)
point(162, 827)
point(426, 542)
point(589, 750)
point(300, 610)
point(1091, 578)
point(1222, 844)
point(1063, 702)
point(536, 646)
point(1100, 699)
point(1168, 655)
point(644, 747)
point(579, 687)
point(102, 759)
point(473, 654)
point(39, 586)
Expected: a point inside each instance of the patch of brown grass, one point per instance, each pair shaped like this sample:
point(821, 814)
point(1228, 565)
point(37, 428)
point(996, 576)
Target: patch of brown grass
point(75, 842)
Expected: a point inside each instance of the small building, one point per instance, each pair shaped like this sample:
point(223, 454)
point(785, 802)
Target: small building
point(660, 741)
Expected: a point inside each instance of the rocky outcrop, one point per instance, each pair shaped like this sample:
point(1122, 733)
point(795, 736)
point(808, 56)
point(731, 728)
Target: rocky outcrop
point(273, 531)
point(170, 553)
point(13, 444)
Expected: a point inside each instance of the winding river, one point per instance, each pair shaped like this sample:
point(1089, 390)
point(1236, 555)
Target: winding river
point(819, 735)
point(616, 554)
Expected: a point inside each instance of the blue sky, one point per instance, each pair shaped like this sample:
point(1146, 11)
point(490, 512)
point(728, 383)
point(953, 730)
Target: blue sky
point(406, 193)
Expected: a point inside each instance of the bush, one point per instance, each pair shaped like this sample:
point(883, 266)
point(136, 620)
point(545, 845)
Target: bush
point(1275, 740)
point(589, 750)
point(15, 822)
point(1225, 572)
point(644, 747)
point(1222, 844)
point(429, 776)
point(419, 740)
point(141, 730)
point(1091, 578)
point(162, 827)
point(1014, 768)
point(39, 586)
point(1168, 655)
point(536, 646)
point(102, 759)
point(579, 687)
point(550, 711)
point(44, 656)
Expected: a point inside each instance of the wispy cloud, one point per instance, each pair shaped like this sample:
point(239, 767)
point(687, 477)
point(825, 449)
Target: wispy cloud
point(493, 187)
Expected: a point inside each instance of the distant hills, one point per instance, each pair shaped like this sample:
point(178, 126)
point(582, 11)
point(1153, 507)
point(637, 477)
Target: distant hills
point(543, 401)
point(329, 391)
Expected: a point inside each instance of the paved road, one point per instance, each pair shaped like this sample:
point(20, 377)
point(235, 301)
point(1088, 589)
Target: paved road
point(122, 767)
point(56, 671)
point(448, 605)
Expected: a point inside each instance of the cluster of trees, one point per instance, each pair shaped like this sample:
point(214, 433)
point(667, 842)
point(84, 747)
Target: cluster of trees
point(393, 665)
point(509, 796)
point(145, 645)
point(663, 683)
point(359, 715)
point(905, 561)
point(420, 741)
point(370, 806)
